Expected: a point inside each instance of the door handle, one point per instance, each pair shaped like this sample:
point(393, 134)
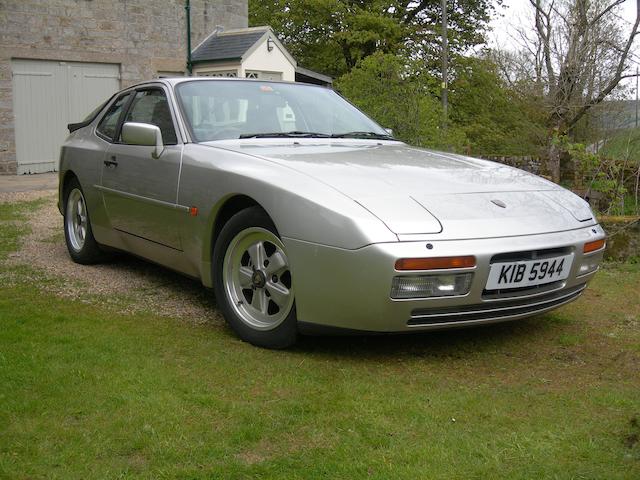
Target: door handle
point(111, 162)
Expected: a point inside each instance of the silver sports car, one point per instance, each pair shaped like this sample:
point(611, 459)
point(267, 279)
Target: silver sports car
point(304, 215)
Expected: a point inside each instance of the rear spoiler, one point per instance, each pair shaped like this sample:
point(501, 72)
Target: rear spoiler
point(72, 127)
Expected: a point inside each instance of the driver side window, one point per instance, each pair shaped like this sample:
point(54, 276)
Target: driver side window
point(151, 106)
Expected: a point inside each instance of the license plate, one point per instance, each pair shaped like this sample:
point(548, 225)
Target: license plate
point(528, 273)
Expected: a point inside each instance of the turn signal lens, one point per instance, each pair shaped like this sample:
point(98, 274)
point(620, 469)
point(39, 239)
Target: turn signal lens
point(435, 263)
point(593, 246)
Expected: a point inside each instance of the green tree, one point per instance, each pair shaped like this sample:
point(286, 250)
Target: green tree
point(396, 96)
point(386, 56)
point(486, 118)
point(332, 36)
point(574, 55)
point(494, 119)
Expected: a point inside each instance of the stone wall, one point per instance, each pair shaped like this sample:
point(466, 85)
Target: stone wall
point(531, 164)
point(143, 36)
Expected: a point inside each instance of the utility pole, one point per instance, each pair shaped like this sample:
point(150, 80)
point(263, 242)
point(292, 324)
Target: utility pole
point(445, 68)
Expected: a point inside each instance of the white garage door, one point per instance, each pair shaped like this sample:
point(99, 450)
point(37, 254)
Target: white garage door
point(46, 97)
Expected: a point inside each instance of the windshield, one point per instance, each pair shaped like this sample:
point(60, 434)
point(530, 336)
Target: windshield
point(219, 110)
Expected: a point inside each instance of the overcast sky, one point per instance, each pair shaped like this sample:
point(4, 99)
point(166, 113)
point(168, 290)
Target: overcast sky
point(518, 12)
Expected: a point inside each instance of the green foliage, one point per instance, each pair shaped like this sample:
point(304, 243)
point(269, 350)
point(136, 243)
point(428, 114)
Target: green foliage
point(598, 174)
point(385, 88)
point(332, 36)
point(486, 119)
point(386, 55)
point(492, 118)
point(623, 150)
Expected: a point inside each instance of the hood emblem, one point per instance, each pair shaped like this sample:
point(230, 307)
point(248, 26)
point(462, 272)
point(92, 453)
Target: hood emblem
point(499, 203)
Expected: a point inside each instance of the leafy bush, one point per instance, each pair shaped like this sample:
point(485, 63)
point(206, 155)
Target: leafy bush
point(493, 118)
point(599, 174)
point(485, 118)
point(387, 89)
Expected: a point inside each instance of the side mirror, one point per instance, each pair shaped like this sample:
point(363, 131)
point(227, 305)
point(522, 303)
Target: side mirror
point(143, 134)
point(389, 131)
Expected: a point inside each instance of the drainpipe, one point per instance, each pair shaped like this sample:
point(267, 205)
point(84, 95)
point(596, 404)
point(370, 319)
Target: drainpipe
point(187, 8)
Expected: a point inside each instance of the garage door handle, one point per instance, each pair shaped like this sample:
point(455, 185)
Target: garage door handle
point(111, 163)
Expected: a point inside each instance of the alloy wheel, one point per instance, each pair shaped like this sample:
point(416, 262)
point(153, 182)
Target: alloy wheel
point(76, 219)
point(257, 278)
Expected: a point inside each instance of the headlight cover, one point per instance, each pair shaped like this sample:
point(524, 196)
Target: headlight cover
point(429, 286)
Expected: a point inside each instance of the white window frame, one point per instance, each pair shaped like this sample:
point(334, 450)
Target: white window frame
point(230, 73)
point(260, 74)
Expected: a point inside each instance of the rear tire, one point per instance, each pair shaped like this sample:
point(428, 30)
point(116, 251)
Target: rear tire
point(81, 244)
point(252, 281)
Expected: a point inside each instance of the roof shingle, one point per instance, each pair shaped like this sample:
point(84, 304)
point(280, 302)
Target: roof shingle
point(226, 46)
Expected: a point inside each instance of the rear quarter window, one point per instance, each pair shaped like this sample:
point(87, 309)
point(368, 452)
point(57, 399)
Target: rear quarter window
point(109, 122)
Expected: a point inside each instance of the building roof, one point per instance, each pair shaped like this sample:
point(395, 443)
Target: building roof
point(238, 43)
point(229, 45)
point(315, 77)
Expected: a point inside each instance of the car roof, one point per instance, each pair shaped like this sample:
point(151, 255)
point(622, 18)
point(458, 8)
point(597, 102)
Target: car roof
point(173, 81)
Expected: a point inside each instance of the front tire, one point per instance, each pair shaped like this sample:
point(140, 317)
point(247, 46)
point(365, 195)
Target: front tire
point(253, 283)
point(81, 244)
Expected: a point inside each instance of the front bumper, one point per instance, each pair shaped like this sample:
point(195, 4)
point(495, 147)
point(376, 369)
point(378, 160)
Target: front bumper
point(350, 289)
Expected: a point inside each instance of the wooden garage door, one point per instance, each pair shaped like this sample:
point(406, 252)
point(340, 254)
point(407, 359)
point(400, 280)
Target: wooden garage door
point(47, 96)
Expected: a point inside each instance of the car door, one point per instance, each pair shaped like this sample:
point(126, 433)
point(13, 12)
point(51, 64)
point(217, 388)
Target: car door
point(140, 191)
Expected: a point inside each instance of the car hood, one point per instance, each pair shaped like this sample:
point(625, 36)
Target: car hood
point(416, 191)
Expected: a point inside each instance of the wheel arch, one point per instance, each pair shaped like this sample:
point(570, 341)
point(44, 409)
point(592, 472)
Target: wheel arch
point(221, 214)
point(65, 179)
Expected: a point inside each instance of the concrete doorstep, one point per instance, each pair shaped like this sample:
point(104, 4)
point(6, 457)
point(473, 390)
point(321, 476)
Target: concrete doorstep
point(28, 183)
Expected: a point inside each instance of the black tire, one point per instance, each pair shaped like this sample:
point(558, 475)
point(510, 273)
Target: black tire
point(88, 252)
point(285, 333)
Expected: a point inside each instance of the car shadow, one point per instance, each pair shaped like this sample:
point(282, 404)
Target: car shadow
point(454, 343)
point(188, 288)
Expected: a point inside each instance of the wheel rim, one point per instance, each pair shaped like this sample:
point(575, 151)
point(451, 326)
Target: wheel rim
point(257, 278)
point(76, 219)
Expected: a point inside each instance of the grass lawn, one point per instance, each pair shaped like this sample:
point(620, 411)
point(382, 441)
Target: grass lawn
point(87, 392)
point(624, 144)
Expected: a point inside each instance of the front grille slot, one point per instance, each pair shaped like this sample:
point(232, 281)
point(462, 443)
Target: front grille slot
point(521, 292)
point(491, 311)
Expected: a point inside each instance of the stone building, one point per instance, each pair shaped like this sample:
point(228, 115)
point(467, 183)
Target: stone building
point(61, 58)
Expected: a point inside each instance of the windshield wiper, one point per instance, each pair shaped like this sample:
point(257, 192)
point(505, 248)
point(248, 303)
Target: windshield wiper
point(292, 134)
point(378, 136)
point(301, 134)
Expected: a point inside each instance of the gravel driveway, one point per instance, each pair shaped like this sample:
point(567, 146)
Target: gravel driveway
point(124, 282)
